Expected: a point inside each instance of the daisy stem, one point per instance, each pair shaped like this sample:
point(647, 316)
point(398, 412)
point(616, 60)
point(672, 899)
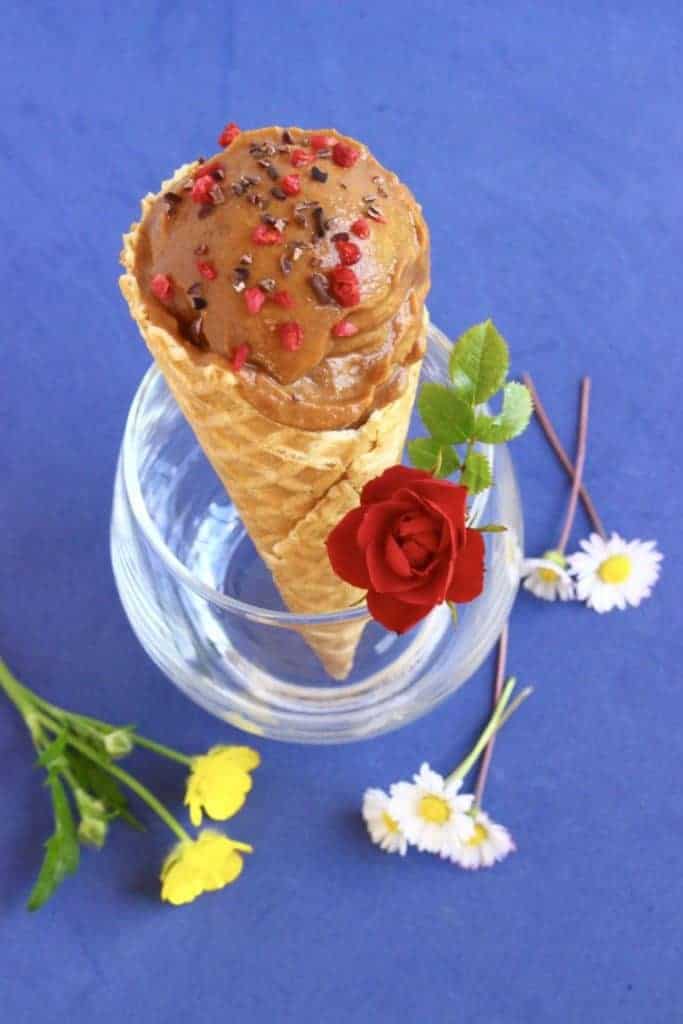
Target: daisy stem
point(494, 723)
point(581, 444)
point(497, 688)
point(556, 445)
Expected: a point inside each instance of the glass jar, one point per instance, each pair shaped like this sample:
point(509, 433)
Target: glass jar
point(205, 609)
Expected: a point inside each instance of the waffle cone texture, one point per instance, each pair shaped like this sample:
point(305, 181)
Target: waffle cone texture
point(290, 486)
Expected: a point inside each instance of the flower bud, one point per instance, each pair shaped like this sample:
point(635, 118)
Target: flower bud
point(89, 806)
point(93, 832)
point(118, 743)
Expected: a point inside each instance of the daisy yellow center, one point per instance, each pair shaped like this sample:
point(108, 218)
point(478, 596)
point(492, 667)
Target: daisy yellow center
point(548, 575)
point(615, 569)
point(389, 823)
point(434, 808)
point(479, 836)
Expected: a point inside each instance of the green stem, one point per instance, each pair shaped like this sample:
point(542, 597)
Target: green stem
point(494, 724)
point(128, 780)
point(14, 690)
point(132, 783)
point(517, 702)
point(24, 697)
point(159, 748)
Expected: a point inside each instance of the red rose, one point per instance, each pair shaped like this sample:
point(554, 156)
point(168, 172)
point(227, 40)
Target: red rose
point(408, 546)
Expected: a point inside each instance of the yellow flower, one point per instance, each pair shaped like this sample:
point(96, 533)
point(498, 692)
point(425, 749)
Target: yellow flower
point(210, 862)
point(219, 782)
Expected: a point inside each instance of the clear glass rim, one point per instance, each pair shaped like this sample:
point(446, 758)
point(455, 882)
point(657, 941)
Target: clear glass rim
point(204, 590)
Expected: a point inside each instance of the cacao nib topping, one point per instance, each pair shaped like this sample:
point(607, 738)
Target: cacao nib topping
point(218, 174)
point(198, 302)
point(240, 273)
point(278, 193)
point(300, 219)
point(247, 259)
point(381, 185)
point(375, 213)
point(285, 265)
point(196, 332)
point(318, 175)
point(217, 194)
point(318, 283)
point(195, 289)
point(201, 249)
point(171, 201)
point(319, 222)
point(287, 138)
point(272, 172)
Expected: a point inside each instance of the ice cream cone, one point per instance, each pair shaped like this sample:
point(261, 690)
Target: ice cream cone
point(290, 485)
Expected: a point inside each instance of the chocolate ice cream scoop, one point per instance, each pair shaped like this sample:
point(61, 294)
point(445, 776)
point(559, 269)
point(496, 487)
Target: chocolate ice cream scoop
point(298, 260)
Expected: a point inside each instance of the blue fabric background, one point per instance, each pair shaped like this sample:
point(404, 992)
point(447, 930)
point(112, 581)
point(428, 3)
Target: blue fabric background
point(545, 141)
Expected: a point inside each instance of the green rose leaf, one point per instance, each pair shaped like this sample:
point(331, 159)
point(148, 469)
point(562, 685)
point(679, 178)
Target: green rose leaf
point(448, 418)
point(61, 850)
point(426, 453)
point(492, 528)
point(479, 363)
point(511, 420)
point(477, 474)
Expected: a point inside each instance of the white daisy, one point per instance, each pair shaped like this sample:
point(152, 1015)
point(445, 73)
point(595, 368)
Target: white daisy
point(615, 573)
point(489, 844)
point(547, 577)
point(383, 829)
point(430, 813)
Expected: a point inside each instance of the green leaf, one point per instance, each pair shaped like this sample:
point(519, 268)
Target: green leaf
point(61, 850)
point(492, 528)
point(453, 608)
point(477, 474)
point(53, 755)
point(511, 420)
point(424, 453)
point(448, 418)
point(96, 781)
point(479, 363)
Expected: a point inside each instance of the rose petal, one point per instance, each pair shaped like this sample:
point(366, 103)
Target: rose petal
point(393, 614)
point(386, 485)
point(449, 499)
point(397, 559)
point(379, 518)
point(346, 557)
point(468, 572)
point(431, 583)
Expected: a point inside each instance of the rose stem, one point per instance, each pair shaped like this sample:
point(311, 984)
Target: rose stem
point(497, 688)
point(581, 443)
point(556, 445)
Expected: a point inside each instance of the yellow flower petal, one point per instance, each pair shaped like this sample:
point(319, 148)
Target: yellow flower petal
point(218, 783)
point(209, 863)
point(243, 757)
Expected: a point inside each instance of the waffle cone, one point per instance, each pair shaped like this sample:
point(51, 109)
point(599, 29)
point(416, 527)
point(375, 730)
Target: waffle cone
point(290, 486)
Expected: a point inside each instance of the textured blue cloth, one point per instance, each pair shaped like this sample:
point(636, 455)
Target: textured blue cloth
point(545, 143)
